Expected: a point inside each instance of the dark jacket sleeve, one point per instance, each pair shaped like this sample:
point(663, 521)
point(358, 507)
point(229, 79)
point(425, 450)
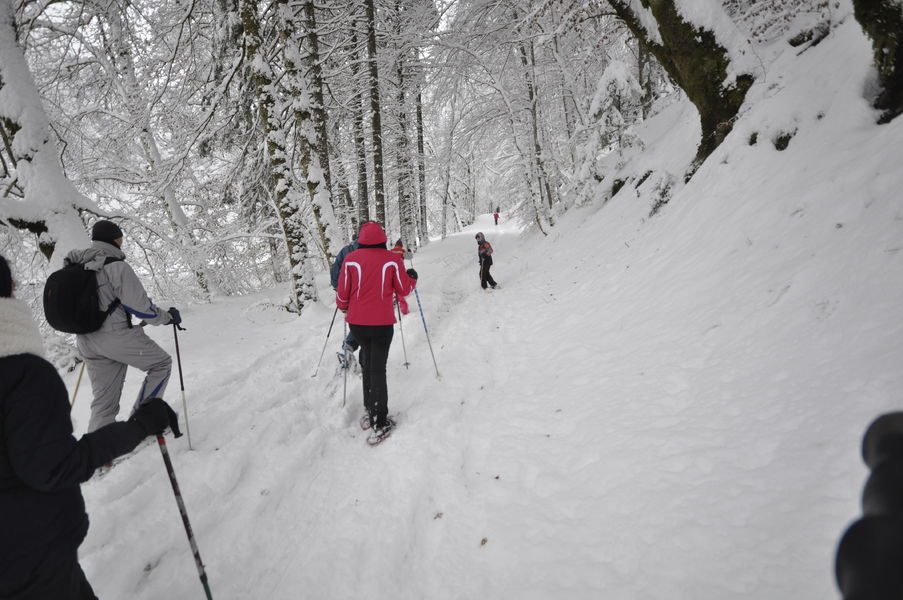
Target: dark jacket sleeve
point(336, 267)
point(41, 449)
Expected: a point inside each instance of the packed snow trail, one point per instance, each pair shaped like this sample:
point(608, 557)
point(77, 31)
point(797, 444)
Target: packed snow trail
point(597, 447)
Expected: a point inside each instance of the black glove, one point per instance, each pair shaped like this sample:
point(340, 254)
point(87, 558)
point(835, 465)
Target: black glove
point(412, 274)
point(154, 416)
point(175, 318)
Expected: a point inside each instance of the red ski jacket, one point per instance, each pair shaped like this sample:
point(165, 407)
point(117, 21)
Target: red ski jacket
point(369, 280)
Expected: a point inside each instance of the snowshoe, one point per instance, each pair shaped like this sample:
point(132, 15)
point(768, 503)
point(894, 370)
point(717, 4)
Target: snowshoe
point(378, 434)
point(348, 361)
point(365, 422)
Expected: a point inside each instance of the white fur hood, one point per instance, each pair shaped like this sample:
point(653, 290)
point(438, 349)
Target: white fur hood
point(18, 332)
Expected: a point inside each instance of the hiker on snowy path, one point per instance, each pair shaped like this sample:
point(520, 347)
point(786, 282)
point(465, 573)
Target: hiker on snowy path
point(349, 344)
point(484, 256)
point(42, 512)
point(109, 351)
point(369, 279)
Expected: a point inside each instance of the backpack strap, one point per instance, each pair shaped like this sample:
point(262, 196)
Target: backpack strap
point(116, 303)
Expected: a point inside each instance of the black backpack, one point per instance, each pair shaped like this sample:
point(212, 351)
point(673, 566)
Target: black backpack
point(71, 303)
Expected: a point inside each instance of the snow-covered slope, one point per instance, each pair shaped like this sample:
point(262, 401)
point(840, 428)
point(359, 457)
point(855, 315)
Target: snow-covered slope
point(665, 408)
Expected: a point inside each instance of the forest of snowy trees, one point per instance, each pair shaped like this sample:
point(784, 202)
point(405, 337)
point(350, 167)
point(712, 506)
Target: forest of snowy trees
point(239, 143)
point(700, 259)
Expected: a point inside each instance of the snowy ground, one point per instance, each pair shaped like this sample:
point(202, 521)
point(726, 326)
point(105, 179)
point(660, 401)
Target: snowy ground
point(665, 408)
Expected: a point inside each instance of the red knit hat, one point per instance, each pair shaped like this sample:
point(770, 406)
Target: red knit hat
point(371, 235)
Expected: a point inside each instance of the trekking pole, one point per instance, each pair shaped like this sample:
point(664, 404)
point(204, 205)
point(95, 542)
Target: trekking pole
point(328, 333)
point(175, 333)
point(347, 362)
point(175, 490)
point(401, 329)
point(77, 383)
point(422, 318)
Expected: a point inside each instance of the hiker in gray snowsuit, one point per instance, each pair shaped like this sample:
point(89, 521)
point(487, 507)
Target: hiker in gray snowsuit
point(109, 351)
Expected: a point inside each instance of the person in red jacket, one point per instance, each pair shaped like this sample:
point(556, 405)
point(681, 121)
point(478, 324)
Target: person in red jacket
point(371, 276)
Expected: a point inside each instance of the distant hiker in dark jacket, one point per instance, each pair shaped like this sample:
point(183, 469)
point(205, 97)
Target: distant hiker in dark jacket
point(495, 216)
point(349, 344)
point(484, 256)
point(42, 513)
point(371, 277)
point(110, 351)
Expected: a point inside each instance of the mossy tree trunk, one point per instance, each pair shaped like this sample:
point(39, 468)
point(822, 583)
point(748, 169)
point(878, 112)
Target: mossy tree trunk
point(882, 21)
point(697, 63)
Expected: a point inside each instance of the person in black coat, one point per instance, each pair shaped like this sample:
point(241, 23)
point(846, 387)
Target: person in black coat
point(484, 255)
point(42, 512)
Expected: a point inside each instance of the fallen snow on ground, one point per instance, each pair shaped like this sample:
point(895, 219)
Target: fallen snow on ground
point(647, 408)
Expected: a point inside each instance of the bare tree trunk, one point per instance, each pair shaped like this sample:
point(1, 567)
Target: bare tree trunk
point(542, 179)
point(445, 202)
point(317, 173)
point(449, 157)
point(357, 115)
point(403, 167)
point(643, 77)
point(349, 219)
point(120, 54)
point(406, 206)
point(421, 173)
point(379, 191)
point(285, 193)
point(566, 93)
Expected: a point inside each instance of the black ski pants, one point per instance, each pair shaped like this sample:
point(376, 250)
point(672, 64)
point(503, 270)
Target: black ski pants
point(375, 341)
point(64, 581)
point(485, 277)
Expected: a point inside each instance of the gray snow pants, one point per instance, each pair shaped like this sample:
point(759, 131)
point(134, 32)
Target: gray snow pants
point(108, 354)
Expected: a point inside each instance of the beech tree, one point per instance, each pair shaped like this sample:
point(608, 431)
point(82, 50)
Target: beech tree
point(694, 57)
point(882, 21)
